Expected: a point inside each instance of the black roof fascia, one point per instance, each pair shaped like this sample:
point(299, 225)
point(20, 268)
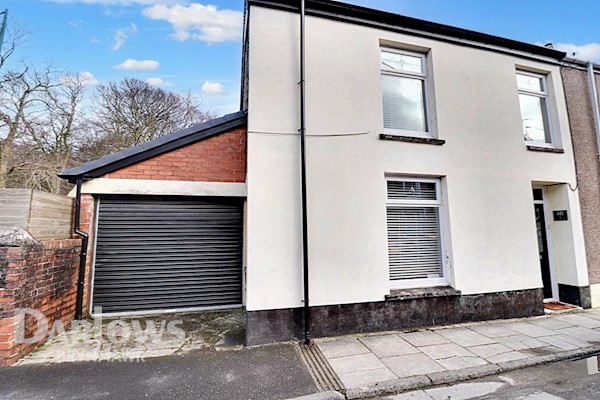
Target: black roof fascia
point(396, 22)
point(153, 148)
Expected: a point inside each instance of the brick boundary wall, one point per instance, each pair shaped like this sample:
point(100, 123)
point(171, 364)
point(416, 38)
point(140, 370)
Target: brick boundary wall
point(41, 276)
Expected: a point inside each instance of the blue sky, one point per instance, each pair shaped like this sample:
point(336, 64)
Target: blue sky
point(196, 46)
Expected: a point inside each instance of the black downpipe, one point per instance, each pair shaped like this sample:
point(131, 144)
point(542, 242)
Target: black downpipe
point(83, 255)
point(303, 176)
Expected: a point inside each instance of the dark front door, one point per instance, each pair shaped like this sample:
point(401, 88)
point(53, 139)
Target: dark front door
point(540, 223)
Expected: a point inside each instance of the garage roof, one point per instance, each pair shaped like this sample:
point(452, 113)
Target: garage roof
point(153, 148)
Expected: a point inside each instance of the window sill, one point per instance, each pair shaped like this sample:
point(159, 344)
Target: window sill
point(544, 149)
point(421, 293)
point(412, 139)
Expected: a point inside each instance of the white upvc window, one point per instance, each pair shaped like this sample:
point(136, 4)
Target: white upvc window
point(415, 245)
point(404, 92)
point(533, 99)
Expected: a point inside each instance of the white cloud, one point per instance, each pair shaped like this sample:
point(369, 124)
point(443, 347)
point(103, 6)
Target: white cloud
point(213, 89)
point(122, 34)
point(199, 22)
point(131, 64)
point(85, 78)
point(88, 79)
point(118, 2)
point(590, 51)
point(120, 37)
point(160, 82)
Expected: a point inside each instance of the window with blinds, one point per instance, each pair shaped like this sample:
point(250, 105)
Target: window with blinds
point(414, 234)
point(403, 86)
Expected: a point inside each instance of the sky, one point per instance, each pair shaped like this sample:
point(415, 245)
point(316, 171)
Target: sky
point(195, 46)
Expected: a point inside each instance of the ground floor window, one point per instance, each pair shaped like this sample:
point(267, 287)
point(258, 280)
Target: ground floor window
point(414, 232)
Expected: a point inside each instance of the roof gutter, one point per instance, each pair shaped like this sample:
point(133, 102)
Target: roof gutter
point(401, 24)
point(303, 172)
point(595, 108)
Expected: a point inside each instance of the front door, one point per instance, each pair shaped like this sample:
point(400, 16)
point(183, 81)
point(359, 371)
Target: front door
point(548, 277)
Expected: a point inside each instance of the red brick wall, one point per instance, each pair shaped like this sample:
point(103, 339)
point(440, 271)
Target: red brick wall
point(40, 276)
point(87, 224)
point(221, 158)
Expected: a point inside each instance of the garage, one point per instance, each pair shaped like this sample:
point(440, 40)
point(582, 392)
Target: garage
point(167, 253)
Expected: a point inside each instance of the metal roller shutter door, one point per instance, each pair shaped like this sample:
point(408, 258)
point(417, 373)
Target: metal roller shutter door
point(162, 253)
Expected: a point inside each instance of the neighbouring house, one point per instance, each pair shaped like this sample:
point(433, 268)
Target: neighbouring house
point(440, 184)
point(581, 80)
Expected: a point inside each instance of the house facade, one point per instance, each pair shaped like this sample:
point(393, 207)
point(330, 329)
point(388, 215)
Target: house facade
point(436, 159)
point(441, 185)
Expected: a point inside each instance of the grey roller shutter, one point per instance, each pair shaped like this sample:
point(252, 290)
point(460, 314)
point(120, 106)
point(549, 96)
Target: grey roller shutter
point(159, 253)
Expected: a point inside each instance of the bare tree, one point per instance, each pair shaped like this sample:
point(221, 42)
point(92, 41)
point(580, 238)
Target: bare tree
point(50, 131)
point(16, 36)
point(132, 111)
point(21, 94)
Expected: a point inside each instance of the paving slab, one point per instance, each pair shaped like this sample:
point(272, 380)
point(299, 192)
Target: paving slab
point(454, 363)
point(529, 329)
point(579, 320)
point(424, 338)
point(359, 362)
point(388, 346)
point(582, 333)
point(493, 330)
point(368, 377)
point(489, 350)
point(505, 357)
point(560, 342)
point(551, 323)
point(446, 350)
point(343, 348)
point(412, 365)
point(465, 337)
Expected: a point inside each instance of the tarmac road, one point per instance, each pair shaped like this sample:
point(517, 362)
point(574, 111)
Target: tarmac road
point(566, 380)
point(268, 372)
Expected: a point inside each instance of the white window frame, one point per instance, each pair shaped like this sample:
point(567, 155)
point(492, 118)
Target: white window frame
point(420, 283)
point(412, 75)
point(543, 94)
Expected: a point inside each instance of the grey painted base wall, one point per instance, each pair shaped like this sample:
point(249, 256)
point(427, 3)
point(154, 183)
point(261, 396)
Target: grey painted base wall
point(579, 296)
point(270, 326)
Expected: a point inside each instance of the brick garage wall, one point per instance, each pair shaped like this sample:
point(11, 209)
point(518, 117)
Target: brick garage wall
point(87, 224)
point(41, 276)
point(221, 158)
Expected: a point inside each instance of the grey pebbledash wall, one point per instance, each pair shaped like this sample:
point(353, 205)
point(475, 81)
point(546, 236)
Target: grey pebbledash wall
point(581, 121)
point(271, 326)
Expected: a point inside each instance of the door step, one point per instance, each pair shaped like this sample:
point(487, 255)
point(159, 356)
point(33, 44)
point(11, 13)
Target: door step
point(557, 307)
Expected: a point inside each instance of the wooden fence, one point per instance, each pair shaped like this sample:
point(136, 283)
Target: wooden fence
point(44, 215)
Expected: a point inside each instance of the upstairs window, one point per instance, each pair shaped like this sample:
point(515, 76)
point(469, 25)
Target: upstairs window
point(414, 233)
point(403, 85)
point(533, 98)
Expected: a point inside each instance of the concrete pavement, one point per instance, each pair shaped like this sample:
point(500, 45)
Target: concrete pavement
point(370, 365)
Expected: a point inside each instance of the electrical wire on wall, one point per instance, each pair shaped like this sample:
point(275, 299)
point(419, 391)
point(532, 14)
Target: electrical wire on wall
point(341, 134)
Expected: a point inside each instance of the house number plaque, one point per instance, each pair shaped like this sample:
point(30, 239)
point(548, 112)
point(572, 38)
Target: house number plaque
point(560, 215)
